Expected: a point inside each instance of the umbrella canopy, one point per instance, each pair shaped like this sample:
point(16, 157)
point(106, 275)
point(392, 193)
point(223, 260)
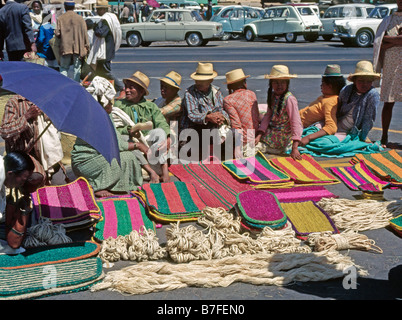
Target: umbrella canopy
point(67, 104)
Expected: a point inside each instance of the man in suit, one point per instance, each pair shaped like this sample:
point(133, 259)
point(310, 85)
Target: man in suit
point(16, 31)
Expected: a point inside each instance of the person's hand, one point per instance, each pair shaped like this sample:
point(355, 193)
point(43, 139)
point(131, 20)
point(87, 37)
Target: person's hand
point(32, 113)
point(215, 118)
point(295, 154)
point(257, 138)
point(305, 140)
point(33, 47)
point(134, 133)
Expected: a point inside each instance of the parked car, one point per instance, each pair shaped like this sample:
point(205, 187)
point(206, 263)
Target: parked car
point(288, 21)
point(172, 25)
point(233, 18)
point(361, 32)
point(87, 14)
point(340, 12)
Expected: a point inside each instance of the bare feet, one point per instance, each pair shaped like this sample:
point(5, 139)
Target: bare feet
point(154, 177)
point(103, 194)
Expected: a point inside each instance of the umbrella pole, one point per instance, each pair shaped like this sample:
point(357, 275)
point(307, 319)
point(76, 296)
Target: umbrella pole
point(40, 135)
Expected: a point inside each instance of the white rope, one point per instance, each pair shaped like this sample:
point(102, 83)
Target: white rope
point(360, 215)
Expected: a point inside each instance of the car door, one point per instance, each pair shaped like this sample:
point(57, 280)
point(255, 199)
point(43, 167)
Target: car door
point(175, 26)
point(280, 20)
point(328, 20)
point(236, 19)
point(155, 29)
point(266, 25)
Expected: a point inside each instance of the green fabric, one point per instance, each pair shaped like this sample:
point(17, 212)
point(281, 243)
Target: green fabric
point(330, 146)
point(87, 162)
point(146, 111)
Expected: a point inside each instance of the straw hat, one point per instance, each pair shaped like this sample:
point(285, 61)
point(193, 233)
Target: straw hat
point(235, 76)
point(280, 72)
point(172, 79)
point(332, 70)
point(102, 4)
point(204, 71)
point(140, 79)
point(364, 69)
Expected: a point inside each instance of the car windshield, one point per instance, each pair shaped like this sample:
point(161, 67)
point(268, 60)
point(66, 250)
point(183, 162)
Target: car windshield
point(195, 15)
point(379, 13)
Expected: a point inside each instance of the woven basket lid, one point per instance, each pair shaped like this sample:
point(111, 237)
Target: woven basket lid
point(260, 207)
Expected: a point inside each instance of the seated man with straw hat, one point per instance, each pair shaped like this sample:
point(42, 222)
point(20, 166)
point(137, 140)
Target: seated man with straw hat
point(358, 103)
point(202, 108)
point(242, 107)
point(142, 111)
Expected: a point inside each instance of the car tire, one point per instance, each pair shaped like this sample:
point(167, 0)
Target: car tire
point(327, 37)
point(134, 39)
point(194, 39)
point(310, 37)
point(249, 34)
point(291, 37)
point(364, 38)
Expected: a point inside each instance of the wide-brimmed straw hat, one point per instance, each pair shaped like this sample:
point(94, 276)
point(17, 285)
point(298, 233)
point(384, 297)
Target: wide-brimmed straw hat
point(280, 72)
point(173, 79)
point(332, 70)
point(364, 69)
point(102, 4)
point(235, 76)
point(141, 79)
point(204, 71)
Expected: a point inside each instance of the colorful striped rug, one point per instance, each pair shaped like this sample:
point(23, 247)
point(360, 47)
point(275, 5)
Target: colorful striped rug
point(67, 204)
point(259, 209)
point(386, 165)
point(306, 171)
point(302, 193)
point(257, 170)
point(50, 270)
point(215, 185)
point(173, 201)
point(120, 216)
point(358, 175)
point(307, 217)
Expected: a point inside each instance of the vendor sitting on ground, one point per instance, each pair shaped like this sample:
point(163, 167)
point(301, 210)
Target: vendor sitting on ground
point(107, 179)
point(358, 103)
point(322, 112)
point(142, 111)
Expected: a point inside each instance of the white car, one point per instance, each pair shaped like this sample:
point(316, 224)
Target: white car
point(342, 12)
point(361, 32)
point(288, 21)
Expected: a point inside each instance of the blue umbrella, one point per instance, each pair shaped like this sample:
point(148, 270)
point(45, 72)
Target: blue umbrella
point(67, 104)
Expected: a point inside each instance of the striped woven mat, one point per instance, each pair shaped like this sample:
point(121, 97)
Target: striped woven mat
point(215, 185)
point(120, 216)
point(257, 170)
point(386, 165)
point(47, 270)
point(306, 171)
point(67, 204)
point(307, 217)
point(358, 175)
point(302, 193)
point(173, 201)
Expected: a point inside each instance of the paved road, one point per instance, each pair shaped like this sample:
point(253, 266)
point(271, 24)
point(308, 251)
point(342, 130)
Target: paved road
point(308, 60)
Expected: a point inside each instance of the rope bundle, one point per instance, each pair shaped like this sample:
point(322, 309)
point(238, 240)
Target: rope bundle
point(136, 246)
point(349, 239)
point(46, 233)
point(360, 215)
point(256, 269)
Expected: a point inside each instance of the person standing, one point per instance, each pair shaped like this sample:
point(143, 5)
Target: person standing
point(72, 31)
point(107, 40)
point(124, 14)
point(16, 31)
point(133, 14)
point(388, 58)
point(145, 10)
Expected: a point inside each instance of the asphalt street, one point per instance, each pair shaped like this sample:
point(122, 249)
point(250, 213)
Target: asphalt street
point(308, 61)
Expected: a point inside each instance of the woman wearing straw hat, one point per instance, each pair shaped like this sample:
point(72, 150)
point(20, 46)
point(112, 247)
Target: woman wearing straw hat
point(202, 105)
point(281, 127)
point(358, 103)
point(322, 112)
point(388, 58)
point(242, 107)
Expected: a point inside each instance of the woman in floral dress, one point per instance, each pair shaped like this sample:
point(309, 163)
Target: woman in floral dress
point(281, 127)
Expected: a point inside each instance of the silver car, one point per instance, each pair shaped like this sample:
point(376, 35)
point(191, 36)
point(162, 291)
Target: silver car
point(172, 25)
